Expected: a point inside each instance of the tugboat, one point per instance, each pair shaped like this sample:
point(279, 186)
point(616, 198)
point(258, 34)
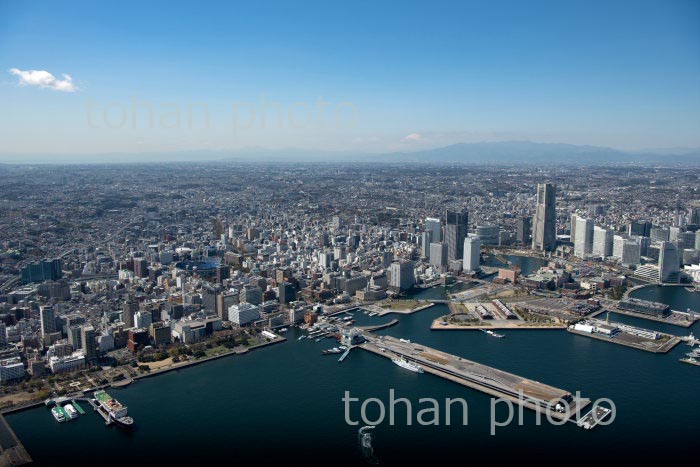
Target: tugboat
point(493, 334)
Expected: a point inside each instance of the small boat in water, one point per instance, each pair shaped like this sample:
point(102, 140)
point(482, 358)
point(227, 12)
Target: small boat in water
point(493, 334)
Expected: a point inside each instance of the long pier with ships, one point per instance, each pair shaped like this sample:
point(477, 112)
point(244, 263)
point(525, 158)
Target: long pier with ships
point(558, 403)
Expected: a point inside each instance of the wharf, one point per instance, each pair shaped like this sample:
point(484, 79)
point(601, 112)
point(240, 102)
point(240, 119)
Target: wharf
point(522, 391)
point(635, 342)
point(12, 452)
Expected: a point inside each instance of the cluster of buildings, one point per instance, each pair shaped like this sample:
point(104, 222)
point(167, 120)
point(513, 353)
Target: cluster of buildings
point(109, 258)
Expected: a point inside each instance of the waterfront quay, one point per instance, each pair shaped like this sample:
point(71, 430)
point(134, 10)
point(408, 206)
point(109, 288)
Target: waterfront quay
point(507, 386)
point(629, 336)
point(12, 452)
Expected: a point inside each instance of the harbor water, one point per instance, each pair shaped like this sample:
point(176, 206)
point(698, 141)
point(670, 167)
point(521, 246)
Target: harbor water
point(284, 402)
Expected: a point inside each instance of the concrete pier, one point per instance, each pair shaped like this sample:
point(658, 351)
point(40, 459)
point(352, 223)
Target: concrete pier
point(522, 391)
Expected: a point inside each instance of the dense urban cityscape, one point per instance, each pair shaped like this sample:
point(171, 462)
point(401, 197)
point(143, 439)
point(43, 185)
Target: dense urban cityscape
point(114, 272)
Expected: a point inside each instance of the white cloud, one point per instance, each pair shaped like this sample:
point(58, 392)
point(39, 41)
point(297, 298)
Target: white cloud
point(44, 79)
point(412, 137)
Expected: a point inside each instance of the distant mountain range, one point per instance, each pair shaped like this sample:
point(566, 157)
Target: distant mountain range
point(506, 152)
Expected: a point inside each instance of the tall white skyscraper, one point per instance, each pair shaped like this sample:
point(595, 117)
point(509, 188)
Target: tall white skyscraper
point(602, 241)
point(544, 222)
point(583, 243)
point(472, 251)
point(433, 226)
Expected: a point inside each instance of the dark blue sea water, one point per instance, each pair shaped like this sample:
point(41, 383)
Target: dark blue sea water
point(284, 403)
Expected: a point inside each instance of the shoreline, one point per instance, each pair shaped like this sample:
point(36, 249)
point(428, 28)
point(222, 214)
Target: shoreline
point(129, 382)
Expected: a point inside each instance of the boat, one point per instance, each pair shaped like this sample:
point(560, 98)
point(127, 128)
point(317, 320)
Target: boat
point(70, 411)
point(283, 330)
point(691, 360)
point(334, 350)
point(116, 412)
point(374, 313)
point(403, 363)
point(58, 414)
point(301, 337)
point(493, 334)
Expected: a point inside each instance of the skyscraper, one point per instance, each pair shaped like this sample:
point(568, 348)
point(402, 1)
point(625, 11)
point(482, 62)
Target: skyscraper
point(523, 235)
point(48, 320)
point(544, 227)
point(472, 252)
point(583, 242)
point(131, 306)
point(401, 275)
point(87, 334)
point(433, 225)
point(668, 263)
point(455, 233)
point(602, 241)
point(438, 255)
point(426, 240)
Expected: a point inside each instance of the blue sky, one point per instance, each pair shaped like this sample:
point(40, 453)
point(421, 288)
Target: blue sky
point(391, 76)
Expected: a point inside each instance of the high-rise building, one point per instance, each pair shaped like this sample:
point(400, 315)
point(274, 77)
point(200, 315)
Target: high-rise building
point(488, 234)
point(523, 235)
point(251, 294)
point(286, 293)
point(401, 275)
point(639, 227)
point(602, 241)
point(143, 319)
point(131, 306)
point(243, 313)
point(438, 255)
point(668, 263)
point(630, 255)
point(472, 254)
point(583, 241)
point(89, 343)
point(544, 222)
point(456, 224)
point(434, 226)
point(46, 270)
point(48, 320)
point(659, 234)
point(426, 240)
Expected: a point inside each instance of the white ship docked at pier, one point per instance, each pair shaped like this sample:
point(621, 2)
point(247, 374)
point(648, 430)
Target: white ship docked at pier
point(403, 363)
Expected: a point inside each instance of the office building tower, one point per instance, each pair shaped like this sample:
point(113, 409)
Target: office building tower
point(639, 227)
point(659, 234)
point(488, 234)
point(669, 263)
point(523, 235)
point(602, 241)
point(74, 337)
point(455, 232)
point(434, 226)
point(544, 222)
point(426, 240)
point(472, 254)
point(286, 293)
point(401, 275)
point(630, 255)
point(251, 294)
point(243, 313)
point(438, 255)
point(131, 306)
point(143, 319)
point(89, 343)
point(46, 270)
point(583, 241)
point(48, 320)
